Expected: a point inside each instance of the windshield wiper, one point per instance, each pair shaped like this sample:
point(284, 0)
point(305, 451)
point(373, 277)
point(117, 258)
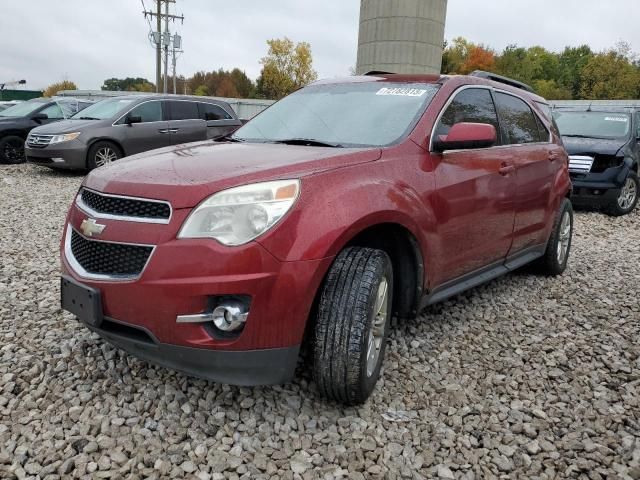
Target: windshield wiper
point(88, 118)
point(227, 138)
point(309, 142)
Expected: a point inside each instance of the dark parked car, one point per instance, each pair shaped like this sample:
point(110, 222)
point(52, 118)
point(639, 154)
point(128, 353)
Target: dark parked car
point(17, 121)
point(342, 205)
point(604, 156)
point(123, 126)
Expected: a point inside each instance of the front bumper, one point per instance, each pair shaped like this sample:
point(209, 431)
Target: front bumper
point(243, 368)
point(68, 155)
point(599, 189)
point(181, 278)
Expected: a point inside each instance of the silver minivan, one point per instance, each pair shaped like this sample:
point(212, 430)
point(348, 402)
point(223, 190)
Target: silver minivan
point(126, 125)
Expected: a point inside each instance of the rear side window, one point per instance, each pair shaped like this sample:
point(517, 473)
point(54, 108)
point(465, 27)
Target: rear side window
point(209, 111)
point(473, 105)
point(148, 112)
point(519, 125)
point(183, 110)
point(543, 133)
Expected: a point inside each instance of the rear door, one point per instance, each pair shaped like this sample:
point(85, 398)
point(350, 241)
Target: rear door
point(219, 121)
point(185, 124)
point(151, 133)
point(536, 160)
point(475, 192)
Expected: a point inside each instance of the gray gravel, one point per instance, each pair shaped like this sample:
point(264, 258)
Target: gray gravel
point(526, 377)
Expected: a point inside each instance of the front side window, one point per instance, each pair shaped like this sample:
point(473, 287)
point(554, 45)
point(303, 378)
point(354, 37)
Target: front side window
point(606, 125)
point(183, 110)
point(148, 112)
point(209, 111)
point(357, 114)
point(518, 120)
point(53, 112)
point(472, 105)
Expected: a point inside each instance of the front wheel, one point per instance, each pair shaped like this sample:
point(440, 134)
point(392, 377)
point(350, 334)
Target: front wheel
point(12, 149)
point(102, 153)
point(628, 198)
point(554, 261)
point(352, 325)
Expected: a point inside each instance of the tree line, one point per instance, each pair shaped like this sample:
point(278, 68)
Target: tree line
point(573, 74)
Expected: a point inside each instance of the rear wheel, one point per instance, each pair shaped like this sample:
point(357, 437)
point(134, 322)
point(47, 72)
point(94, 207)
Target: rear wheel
point(554, 261)
point(628, 198)
point(352, 324)
point(12, 149)
point(102, 153)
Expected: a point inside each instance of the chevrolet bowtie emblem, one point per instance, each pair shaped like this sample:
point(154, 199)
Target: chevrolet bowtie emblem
point(90, 228)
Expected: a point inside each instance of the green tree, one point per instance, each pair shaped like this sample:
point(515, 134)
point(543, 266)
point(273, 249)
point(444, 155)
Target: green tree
point(128, 84)
point(610, 76)
point(201, 91)
point(54, 88)
point(286, 68)
point(572, 61)
point(455, 55)
point(550, 90)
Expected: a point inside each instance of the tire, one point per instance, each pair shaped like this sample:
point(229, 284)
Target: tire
point(628, 198)
point(103, 153)
point(556, 256)
point(348, 310)
point(12, 150)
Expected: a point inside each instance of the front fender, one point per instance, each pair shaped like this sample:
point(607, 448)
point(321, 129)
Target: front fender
point(335, 206)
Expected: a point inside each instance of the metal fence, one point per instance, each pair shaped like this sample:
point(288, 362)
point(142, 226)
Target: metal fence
point(596, 103)
point(245, 108)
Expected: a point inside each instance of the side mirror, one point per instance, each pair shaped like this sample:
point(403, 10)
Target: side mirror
point(464, 136)
point(38, 117)
point(131, 119)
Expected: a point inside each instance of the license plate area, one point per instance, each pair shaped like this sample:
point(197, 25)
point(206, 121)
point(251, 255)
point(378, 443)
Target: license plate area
point(82, 301)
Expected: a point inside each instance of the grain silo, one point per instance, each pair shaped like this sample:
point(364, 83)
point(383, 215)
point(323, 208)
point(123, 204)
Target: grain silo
point(401, 36)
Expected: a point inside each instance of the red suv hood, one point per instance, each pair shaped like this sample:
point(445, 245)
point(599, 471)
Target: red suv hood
point(186, 174)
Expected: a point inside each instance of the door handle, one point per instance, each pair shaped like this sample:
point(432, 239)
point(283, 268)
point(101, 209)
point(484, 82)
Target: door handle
point(163, 130)
point(174, 130)
point(506, 169)
point(553, 156)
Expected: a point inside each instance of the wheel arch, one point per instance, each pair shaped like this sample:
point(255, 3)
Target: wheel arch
point(93, 141)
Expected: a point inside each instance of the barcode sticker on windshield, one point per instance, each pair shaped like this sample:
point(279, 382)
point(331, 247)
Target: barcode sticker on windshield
point(617, 119)
point(402, 92)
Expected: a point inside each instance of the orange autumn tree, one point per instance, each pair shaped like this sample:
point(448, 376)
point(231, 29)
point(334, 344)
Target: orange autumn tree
point(479, 58)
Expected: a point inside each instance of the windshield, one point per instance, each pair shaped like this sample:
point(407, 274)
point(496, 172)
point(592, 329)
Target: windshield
point(22, 109)
point(593, 124)
point(105, 109)
point(347, 115)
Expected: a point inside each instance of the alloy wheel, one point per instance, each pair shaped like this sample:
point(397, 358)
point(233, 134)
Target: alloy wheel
point(105, 156)
point(564, 238)
point(378, 326)
point(628, 194)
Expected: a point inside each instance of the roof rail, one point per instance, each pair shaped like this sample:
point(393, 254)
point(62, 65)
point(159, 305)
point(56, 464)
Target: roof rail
point(373, 73)
point(499, 78)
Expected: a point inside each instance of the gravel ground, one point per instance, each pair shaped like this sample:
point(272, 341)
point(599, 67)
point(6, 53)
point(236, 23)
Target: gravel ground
point(526, 377)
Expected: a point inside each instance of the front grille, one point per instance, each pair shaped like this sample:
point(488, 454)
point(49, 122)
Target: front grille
point(38, 141)
point(125, 207)
point(580, 163)
point(111, 259)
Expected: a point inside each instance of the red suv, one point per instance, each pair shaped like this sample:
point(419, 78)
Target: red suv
point(347, 203)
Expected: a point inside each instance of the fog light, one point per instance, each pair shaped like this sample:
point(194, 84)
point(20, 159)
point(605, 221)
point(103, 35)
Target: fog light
point(230, 316)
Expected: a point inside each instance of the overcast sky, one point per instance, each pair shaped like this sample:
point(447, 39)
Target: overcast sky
point(87, 41)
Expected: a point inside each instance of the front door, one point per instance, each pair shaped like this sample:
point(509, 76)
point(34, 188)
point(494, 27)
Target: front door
point(475, 193)
point(151, 133)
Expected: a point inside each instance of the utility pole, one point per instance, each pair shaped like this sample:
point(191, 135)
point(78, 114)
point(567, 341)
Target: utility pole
point(162, 39)
point(177, 45)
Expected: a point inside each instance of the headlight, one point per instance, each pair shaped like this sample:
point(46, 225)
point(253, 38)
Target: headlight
point(239, 215)
point(67, 137)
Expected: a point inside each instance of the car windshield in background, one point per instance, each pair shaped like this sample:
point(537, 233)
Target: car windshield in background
point(104, 110)
point(22, 109)
point(593, 124)
point(362, 114)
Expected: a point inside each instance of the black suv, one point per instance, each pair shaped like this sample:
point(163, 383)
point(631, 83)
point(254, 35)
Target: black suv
point(604, 156)
point(17, 121)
